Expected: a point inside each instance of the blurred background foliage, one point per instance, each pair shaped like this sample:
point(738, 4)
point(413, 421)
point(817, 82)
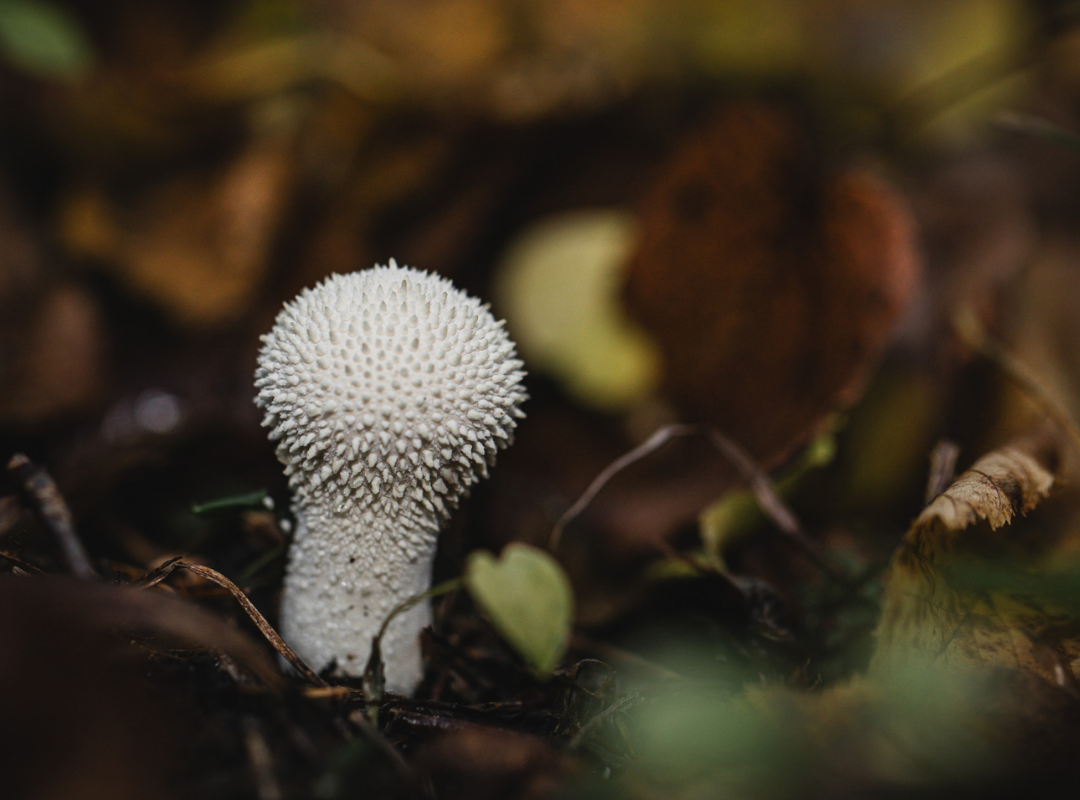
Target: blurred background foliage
point(754, 215)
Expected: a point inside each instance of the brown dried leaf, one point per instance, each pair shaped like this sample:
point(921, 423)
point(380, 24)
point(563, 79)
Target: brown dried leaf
point(198, 246)
point(770, 288)
point(928, 612)
point(1000, 485)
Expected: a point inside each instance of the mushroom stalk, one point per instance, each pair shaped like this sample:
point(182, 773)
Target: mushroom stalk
point(345, 574)
point(389, 393)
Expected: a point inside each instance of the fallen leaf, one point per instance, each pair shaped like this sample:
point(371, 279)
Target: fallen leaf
point(528, 598)
point(932, 608)
point(197, 246)
point(770, 288)
point(559, 287)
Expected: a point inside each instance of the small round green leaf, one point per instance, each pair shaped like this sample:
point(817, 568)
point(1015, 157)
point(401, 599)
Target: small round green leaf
point(528, 598)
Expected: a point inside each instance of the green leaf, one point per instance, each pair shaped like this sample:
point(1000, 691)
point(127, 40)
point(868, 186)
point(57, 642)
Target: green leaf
point(737, 513)
point(528, 598)
point(729, 519)
point(256, 499)
point(43, 39)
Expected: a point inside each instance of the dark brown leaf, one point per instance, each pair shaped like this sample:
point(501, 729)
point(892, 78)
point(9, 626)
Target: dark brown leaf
point(771, 289)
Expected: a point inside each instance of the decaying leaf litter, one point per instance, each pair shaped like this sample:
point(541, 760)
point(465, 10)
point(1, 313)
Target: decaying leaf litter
point(775, 228)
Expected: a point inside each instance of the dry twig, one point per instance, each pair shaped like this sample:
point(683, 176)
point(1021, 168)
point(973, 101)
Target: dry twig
point(759, 482)
point(50, 506)
point(19, 564)
point(267, 630)
point(942, 468)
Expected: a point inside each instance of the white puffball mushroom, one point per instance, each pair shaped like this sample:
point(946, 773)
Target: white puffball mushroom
point(389, 393)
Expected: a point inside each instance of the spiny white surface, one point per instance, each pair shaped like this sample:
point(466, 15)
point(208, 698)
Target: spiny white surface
point(389, 392)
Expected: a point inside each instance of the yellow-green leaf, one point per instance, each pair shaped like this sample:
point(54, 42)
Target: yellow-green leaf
point(527, 596)
point(559, 285)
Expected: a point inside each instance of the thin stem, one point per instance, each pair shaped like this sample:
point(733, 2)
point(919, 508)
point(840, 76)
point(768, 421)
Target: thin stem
point(267, 630)
point(968, 327)
point(760, 484)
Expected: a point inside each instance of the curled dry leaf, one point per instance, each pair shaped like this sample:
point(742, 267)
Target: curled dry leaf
point(932, 609)
point(770, 288)
point(1002, 484)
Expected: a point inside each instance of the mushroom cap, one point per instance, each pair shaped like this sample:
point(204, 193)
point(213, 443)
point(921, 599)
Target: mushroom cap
point(388, 390)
